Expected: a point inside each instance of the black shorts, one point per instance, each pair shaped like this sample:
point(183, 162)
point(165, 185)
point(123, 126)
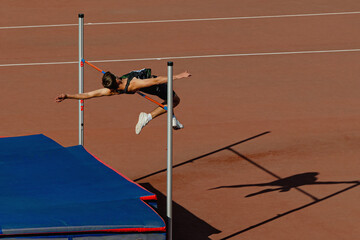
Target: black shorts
point(157, 90)
point(145, 73)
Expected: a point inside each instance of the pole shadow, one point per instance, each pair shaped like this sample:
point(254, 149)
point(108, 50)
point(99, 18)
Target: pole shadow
point(284, 185)
point(288, 183)
point(185, 224)
point(202, 156)
point(289, 212)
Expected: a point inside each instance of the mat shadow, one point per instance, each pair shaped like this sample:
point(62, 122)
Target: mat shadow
point(185, 224)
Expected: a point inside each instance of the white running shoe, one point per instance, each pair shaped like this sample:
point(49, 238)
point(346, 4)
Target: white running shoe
point(143, 120)
point(176, 124)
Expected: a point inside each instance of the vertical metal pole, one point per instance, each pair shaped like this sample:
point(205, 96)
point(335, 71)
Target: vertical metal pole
point(169, 148)
point(81, 78)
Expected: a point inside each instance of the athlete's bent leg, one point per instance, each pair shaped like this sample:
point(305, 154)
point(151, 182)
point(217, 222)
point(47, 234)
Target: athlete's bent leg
point(144, 118)
point(159, 110)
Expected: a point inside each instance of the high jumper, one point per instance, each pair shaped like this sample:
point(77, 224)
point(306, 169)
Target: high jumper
point(130, 83)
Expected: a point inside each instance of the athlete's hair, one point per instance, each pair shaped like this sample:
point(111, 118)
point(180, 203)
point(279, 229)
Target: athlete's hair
point(109, 81)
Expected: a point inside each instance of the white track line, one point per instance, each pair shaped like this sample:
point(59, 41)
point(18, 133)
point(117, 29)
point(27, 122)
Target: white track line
point(184, 57)
point(185, 20)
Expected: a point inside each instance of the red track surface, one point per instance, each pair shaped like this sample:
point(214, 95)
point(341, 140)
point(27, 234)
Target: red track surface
point(249, 121)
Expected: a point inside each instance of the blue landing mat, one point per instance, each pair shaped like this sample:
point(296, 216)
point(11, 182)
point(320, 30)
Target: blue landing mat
point(48, 191)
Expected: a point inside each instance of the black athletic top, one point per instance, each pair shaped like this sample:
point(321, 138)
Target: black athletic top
point(141, 74)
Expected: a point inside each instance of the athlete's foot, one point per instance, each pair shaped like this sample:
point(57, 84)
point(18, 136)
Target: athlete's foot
point(143, 120)
point(176, 124)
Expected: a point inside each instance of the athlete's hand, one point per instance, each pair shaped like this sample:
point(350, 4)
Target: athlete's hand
point(60, 98)
point(183, 75)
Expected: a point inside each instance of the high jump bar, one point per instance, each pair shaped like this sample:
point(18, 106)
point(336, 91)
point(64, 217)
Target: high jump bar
point(169, 109)
point(81, 80)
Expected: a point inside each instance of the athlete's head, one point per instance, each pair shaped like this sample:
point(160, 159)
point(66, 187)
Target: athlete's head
point(109, 81)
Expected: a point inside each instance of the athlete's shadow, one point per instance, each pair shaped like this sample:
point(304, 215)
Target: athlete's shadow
point(288, 183)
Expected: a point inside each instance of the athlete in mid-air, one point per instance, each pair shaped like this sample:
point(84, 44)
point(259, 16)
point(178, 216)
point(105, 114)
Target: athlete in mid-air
point(130, 83)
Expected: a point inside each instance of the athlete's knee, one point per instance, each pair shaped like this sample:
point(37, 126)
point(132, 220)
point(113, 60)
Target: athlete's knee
point(176, 100)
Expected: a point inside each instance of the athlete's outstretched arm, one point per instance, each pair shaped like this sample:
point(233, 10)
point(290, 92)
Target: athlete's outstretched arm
point(96, 93)
point(143, 83)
